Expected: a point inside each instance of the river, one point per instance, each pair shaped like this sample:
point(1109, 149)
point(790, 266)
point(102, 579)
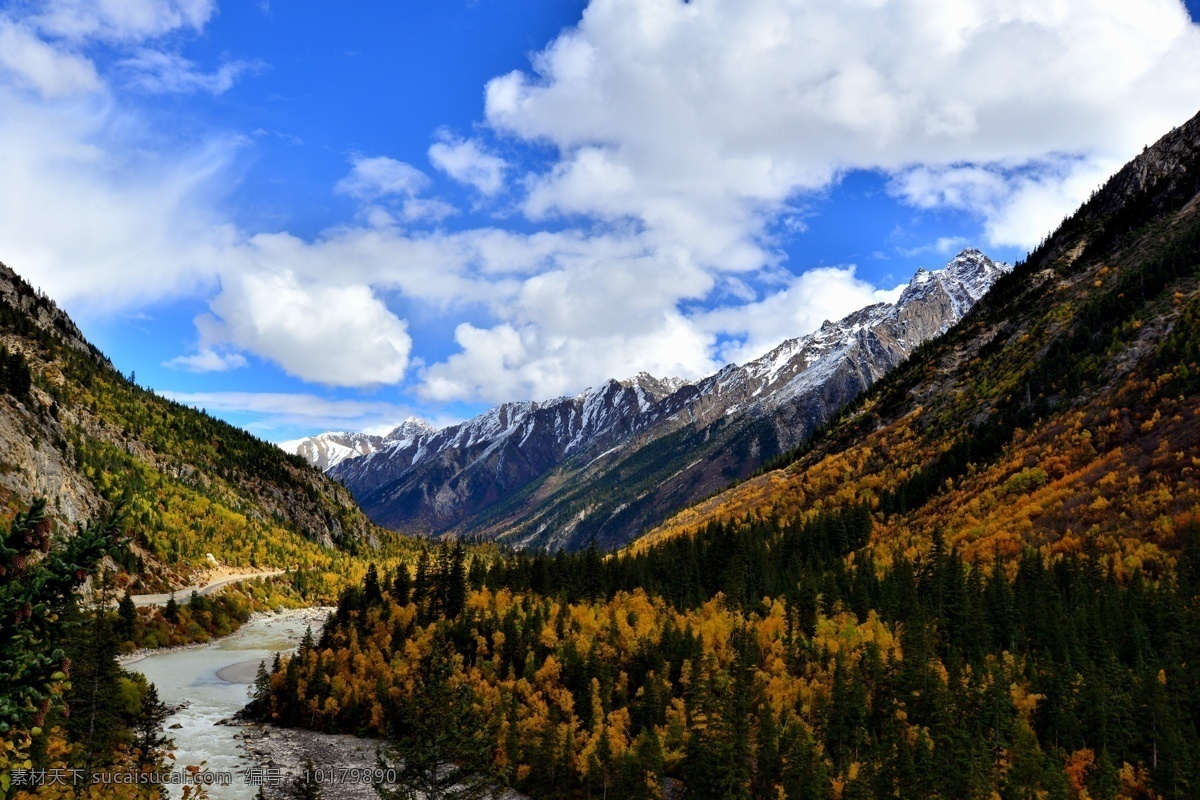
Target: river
point(190, 678)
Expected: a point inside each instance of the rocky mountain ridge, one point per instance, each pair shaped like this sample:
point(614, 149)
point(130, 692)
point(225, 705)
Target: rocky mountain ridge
point(1062, 415)
point(604, 464)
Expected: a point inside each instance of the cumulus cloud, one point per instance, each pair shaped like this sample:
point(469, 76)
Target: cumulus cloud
point(1019, 207)
point(467, 162)
point(380, 176)
point(503, 362)
point(338, 335)
point(682, 114)
point(579, 324)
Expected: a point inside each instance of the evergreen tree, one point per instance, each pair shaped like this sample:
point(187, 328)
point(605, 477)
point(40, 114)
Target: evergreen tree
point(171, 610)
point(94, 699)
point(804, 774)
point(421, 585)
point(126, 627)
point(452, 580)
point(766, 754)
point(306, 642)
point(260, 694)
point(401, 585)
point(737, 752)
point(372, 591)
point(441, 746)
point(149, 739)
point(37, 606)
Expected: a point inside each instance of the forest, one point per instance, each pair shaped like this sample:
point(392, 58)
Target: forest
point(65, 703)
point(753, 661)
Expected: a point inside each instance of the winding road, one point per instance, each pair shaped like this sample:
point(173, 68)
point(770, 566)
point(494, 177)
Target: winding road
point(182, 595)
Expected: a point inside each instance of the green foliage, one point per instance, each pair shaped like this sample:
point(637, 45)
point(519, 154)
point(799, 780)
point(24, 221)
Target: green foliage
point(1102, 664)
point(15, 378)
point(437, 736)
point(744, 560)
point(37, 604)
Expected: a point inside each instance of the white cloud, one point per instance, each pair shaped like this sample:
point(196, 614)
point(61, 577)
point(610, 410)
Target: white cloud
point(380, 176)
point(338, 335)
point(36, 64)
point(1018, 208)
point(467, 162)
point(158, 72)
point(685, 133)
point(698, 118)
point(503, 363)
point(415, 209)
point(98, 217)
point(809, 299)
point(120, 20)
point(207, 360)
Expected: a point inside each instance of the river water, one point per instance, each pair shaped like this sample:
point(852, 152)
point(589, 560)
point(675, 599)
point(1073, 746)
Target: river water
point(190, 678)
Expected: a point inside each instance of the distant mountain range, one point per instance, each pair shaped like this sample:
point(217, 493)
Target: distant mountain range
point(326, 450)
point(616, 459)
point(1063, 414)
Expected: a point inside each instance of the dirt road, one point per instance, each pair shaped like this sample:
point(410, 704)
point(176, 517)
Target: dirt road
point(182, 595)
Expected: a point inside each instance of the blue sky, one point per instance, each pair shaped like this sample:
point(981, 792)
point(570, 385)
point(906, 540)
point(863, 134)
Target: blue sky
point(317, 215)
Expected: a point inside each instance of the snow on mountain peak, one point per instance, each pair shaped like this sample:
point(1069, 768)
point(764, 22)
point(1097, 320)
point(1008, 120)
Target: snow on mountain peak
point(410, 429)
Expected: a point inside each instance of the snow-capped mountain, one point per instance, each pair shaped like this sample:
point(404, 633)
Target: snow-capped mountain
point(618, 457)
point(327, 450)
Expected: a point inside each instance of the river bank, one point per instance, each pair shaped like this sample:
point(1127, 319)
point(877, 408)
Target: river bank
point(343, 764)
point(207, 684)
point(313, 616)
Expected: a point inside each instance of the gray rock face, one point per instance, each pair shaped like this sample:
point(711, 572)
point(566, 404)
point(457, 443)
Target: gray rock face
point(606, 464)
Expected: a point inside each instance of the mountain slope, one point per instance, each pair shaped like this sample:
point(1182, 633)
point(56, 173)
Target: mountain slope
point(76, 431)
point(1062, 413)
point(606, 464)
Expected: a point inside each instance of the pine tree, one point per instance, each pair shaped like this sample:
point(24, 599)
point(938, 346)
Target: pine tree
point(148, 728)
point(401, 585)
point(372, 592)
point(37, 597)
point(421, 585)
point(453, 582)
point(126, 628)
point(804, 774)
point(94, 698)
point(737, 752)
point(766, 754)
point(171, 610)
point(260, 694)
point(306, 642)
